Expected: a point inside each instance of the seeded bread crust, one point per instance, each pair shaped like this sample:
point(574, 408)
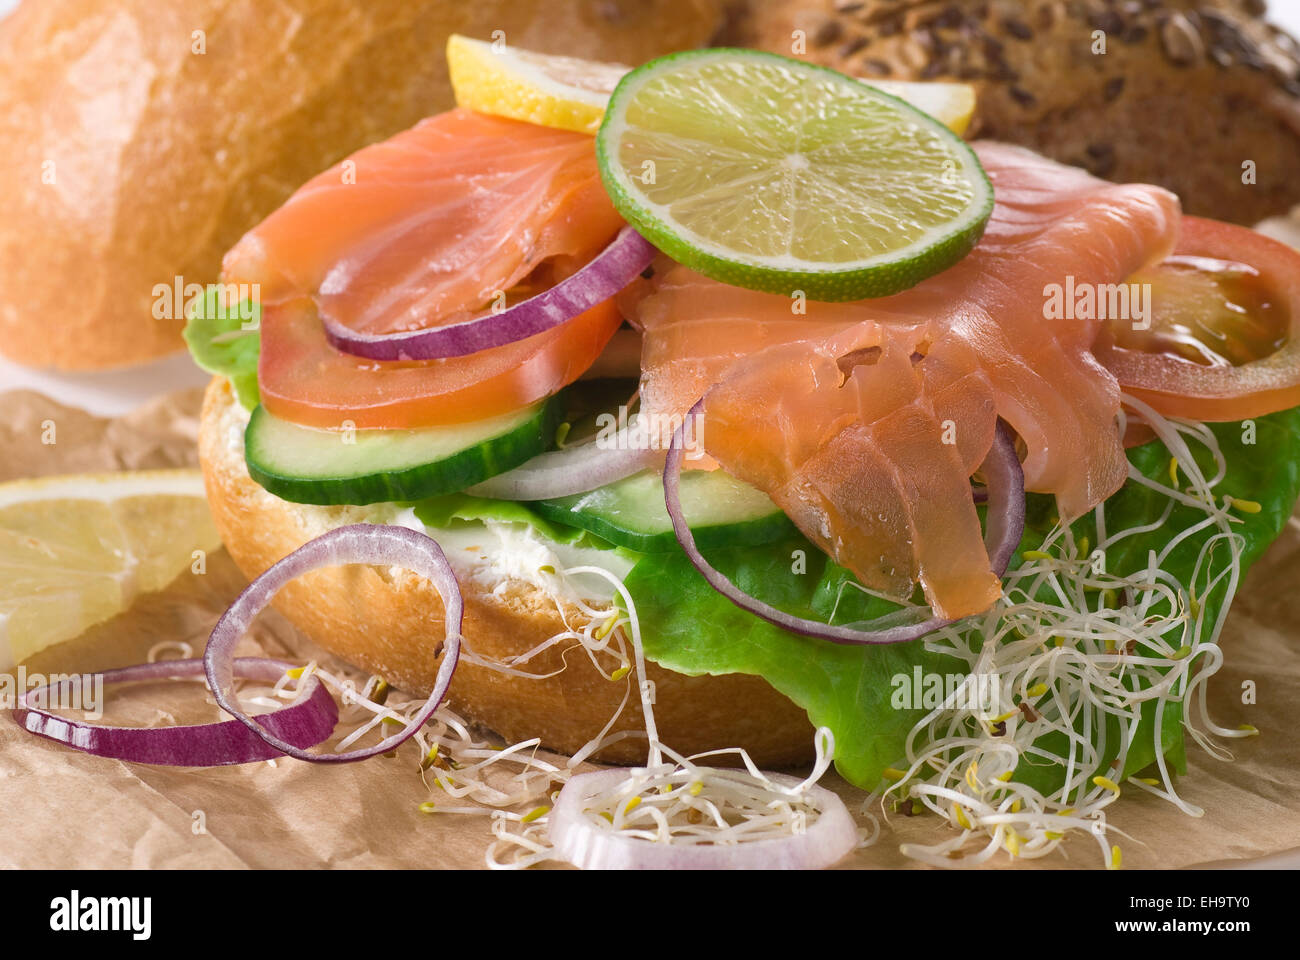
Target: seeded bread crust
point(1186, 92)
point(390, 623)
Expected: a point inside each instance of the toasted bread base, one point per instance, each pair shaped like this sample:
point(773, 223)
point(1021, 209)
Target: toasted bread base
point(390, 623)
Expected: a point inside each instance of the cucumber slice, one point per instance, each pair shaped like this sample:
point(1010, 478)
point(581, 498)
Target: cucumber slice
point(310, 465)
point(722, 512)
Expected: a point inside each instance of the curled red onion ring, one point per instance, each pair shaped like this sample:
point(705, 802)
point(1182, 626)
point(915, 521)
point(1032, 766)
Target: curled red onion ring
point(1004, 527)
point(376, 544)
point(609, 272)
point(305, 722)
point(590, 845)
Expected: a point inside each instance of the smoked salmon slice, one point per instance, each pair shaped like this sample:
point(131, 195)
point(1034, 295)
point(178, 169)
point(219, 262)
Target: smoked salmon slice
point(864, 421)
point(419, 229)
point(427, 228)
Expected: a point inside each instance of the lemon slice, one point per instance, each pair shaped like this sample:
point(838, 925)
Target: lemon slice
point(766, 172)
point(572, 94)
point(550, 91)
point(76, 550)
point(952, 104)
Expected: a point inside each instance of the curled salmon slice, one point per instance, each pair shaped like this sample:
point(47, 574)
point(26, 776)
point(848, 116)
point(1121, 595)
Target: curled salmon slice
point(864, 421)
point(429, 226)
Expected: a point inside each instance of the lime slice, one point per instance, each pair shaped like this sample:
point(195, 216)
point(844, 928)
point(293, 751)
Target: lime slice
point(773, 174)
point(76, 550)
point(550, 91)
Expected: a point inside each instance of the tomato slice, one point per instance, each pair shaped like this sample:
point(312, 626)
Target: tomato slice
point(1223, 342)
point(420, 230)
point(304, 379)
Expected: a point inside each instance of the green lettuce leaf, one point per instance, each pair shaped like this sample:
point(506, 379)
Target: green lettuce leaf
point(441, 513)
point(225, 340)
point(691, 629)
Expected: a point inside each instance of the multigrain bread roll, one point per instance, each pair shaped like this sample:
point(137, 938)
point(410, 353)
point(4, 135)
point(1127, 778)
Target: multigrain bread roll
point(1285, 228)
point(140, 139)
point(1200, 96)
point(380, 620)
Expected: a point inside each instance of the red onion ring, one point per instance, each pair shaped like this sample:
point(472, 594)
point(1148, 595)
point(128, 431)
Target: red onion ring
point(305, 722)
point(589, 845)
point(375, 544)
point(1004, 527)
point(598, 280)
point(577, 469)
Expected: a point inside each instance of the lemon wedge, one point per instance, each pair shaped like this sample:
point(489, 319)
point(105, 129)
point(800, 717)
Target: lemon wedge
point(76, 550)
point(550, 91)
point(952, 104)
point(572, 94)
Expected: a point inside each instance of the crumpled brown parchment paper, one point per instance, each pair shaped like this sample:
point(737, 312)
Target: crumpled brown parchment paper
point(62, 809)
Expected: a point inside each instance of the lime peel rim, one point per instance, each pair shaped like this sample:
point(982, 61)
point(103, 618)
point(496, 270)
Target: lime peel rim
point(781, 275)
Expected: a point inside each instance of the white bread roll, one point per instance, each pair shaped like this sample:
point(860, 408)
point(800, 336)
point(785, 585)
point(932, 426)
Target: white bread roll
point(139, 139)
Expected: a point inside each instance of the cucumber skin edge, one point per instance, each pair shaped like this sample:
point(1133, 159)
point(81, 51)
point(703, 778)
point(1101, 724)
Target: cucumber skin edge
point(453, 474)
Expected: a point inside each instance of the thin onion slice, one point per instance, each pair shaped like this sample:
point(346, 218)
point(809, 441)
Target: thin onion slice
point(609, 272)
point(577, 469)
point(593, 845)
point(305, 722)
point(1004, 526)
point(375, 544)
